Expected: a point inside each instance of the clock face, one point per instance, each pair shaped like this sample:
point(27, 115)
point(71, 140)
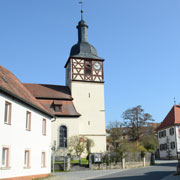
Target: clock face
point(97, 66)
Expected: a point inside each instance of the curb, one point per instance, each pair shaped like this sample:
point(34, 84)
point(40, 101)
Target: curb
point(105, 174)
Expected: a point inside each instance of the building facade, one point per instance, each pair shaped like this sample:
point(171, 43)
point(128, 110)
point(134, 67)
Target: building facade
point(36, 117)
point(25, 131)
point(78, 107)
point(85, 78)
point(169, 134)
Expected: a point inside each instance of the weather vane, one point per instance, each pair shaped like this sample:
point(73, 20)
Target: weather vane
point(81, 2)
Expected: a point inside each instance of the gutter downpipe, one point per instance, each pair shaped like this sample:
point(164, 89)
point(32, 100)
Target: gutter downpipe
point(176, 141)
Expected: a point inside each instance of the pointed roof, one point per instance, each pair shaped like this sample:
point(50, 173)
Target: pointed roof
point(83, 49)
point(172, 118)
point(10, 85)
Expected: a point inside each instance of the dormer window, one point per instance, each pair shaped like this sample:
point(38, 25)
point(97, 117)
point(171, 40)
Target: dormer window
point(57, 108)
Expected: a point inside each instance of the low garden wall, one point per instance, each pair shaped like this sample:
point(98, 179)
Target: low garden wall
point(103, 166)
point(110, 161)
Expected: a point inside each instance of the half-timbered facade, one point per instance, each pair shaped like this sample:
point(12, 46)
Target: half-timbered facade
point(85, 70)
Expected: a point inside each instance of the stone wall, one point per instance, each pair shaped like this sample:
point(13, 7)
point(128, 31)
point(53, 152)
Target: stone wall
point(119, 165)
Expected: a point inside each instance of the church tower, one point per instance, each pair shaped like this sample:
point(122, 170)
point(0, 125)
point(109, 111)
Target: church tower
point(85, 78)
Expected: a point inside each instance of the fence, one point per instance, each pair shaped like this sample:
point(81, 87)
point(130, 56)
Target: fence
point(109, 161)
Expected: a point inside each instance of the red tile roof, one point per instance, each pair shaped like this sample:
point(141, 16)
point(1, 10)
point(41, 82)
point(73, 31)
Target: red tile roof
point(172, 118)
point(48, 95)
point(67, 107)
point(46, 91)
point(12, 86)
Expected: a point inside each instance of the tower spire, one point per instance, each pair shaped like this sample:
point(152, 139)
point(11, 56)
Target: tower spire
point(81, 2)
point(82, 27)
point(83, 48)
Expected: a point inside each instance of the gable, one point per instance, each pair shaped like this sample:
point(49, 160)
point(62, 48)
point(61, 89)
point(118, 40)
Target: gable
point(172, 118)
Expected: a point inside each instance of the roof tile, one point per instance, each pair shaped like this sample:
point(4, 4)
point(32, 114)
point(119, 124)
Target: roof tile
point(172, 118)
point(11, 85)
point(49, 91)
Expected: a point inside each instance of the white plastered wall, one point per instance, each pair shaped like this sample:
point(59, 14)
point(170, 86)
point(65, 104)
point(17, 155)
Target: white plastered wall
point(72, 128)
point(178, 137)
point(163, 140)
point(18, 139)
point(89, 102)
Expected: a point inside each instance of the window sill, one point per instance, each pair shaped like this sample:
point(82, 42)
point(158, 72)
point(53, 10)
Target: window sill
point(43, 166)
point(5, 168)
point(27, 167)
point(7, 123)
point(28, 130)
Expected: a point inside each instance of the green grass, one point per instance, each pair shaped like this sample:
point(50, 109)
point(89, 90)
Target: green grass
point(83, 161)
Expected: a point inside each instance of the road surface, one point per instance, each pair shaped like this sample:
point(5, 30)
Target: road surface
point(156, 172)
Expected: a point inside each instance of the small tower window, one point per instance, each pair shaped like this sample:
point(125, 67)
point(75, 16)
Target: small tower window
point(88, 68)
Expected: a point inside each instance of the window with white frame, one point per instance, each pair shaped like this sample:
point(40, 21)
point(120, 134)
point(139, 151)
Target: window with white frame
point(28, 120)
point(171, 131)
point(44, 126)
point(27, 158)
point(43, 159)
point(5, 157)
point(7, 114)
point(162, 134)
point(163, 147)
point(172, 145)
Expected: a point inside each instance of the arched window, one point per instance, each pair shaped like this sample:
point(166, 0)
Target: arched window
point(63, 136)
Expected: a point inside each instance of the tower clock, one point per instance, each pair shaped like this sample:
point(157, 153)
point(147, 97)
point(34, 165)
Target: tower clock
point(85, 77)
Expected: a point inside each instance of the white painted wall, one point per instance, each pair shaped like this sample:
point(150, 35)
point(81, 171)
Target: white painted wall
point(178, 137)
point(89, 102)
point(163, 140)
point(17, 138)
point(72, 125)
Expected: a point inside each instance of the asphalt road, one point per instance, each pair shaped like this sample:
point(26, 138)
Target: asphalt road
point(156, 172)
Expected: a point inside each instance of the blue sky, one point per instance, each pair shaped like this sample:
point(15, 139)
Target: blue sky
point(139, 40)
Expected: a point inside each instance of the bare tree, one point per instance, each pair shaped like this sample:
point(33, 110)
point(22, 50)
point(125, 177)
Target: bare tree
point(135, 119)
point(78, 145)
point(115, 133)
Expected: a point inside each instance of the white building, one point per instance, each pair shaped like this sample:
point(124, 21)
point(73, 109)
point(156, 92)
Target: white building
point(25, 131)
point(78, 106)
point(169, 134)
point(75, 109)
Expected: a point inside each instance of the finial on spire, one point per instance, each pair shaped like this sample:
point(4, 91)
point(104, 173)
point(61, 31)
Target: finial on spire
point(81, 2)
point(174, 101)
